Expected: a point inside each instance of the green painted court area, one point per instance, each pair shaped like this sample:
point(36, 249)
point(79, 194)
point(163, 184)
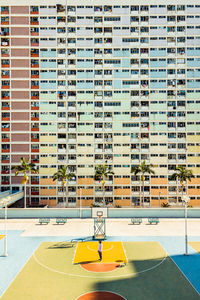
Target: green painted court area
point(149, 274)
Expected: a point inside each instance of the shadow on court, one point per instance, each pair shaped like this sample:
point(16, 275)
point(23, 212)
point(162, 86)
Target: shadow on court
point(158, 283)
point(86, 262)
point(62, 245)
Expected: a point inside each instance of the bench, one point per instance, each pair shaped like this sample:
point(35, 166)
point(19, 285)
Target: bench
point(44, 220)
point(153, 220)
point(136, 220)
point(61, 221)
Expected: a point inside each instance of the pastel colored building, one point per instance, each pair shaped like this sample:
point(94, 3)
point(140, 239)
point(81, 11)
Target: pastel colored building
point(89, 82)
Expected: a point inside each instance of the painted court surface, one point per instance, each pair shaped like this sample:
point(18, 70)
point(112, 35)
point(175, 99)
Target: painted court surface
point(129, 270)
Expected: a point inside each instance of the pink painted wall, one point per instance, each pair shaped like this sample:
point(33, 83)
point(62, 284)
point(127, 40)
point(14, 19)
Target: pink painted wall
point(16, 179)
point(20, 148)
point(19, 84)
point(20, 105)
point(16, 158)
point(19, 10)
point(19, 20)
point(20, 116)
point(19, 30)
point(19, 42)
point(19, 95)
point(19, 52)
point(20, 73)
point(19, 137)
point(20, 63)
point(20, 126)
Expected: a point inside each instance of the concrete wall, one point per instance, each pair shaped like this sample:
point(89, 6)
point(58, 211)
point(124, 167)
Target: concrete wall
point(16, 213)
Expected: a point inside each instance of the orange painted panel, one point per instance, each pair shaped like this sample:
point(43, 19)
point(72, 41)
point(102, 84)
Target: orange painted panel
point(194, 181)
point(155, 203)
point(194, 202)
point(158, 180)
point(48, 192)
point(122, 192)
point(86, 192)
point(193, 192)
point(85, 181)
point(156, 192)
point(122, 202)
point(85, 203)
point(47, 181)
point(122, 181)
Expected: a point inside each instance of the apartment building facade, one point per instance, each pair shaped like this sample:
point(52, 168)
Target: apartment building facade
point(86, 82)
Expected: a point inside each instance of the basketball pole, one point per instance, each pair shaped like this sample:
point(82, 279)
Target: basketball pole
point(5, 230)
point(80, 203)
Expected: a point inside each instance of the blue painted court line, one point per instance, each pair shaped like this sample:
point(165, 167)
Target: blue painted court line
point(20, 249)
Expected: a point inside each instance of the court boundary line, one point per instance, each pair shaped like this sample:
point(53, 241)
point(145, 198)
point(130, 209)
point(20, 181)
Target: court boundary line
point(124, 252)
point(114, 276)
point(101, 291)
point(74, 254)
point(184, 275)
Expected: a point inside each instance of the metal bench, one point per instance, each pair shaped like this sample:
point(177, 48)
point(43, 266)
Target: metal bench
point(136, 220)
point(153, 220)
point(61, 221)
point(44, 220)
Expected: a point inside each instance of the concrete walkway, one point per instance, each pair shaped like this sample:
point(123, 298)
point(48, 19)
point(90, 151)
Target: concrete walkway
point(114, 227)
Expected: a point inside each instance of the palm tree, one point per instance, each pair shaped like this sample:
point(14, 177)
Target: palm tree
point(143, 169)
point(102, 173)
point(183, 175)
point(64, 176)
point(25, 168)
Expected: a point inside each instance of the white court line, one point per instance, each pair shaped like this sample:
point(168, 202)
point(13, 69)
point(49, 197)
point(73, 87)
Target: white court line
point(184, 274)
point(124, 251)
point(85, 276)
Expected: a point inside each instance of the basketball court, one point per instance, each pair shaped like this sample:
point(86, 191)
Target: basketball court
point(71, 271)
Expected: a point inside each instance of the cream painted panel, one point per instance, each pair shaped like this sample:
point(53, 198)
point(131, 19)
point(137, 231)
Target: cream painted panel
point(85, 150)
point(158, 160)
point(121, 171)
point(121, 139)
point(48, 150)
point(47, 171)
point(193, 138)
point(48, 139)
point(84, 160)
point(195, 170)
point(158, 139)
point(158, 149)
point(48, 160)
point(194, 160)
point(160, 171)
point(121, 150)
point(85, 171)
point(85, 139)
point(121, 160)
point(193, 149)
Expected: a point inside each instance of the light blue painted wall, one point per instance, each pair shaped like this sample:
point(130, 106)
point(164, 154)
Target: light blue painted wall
point(117, 84)
point(47, 64)
point(156, 64)
point(154, 53)
point(48, 53)
point(158, 85)
point(48, 85)
point(16, 213)
point(158, 74)
point(48, 75)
